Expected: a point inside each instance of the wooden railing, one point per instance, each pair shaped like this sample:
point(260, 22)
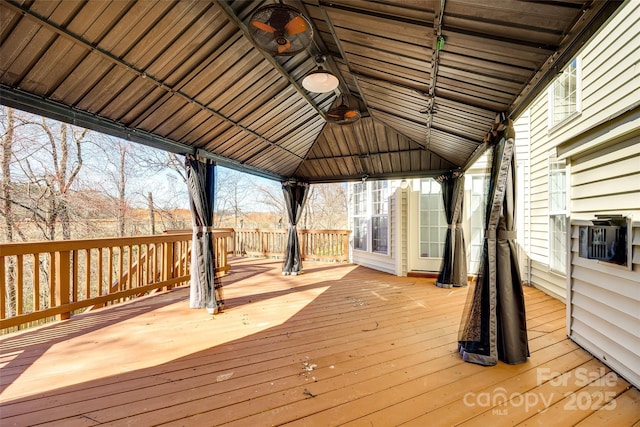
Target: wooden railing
point(53, 280)
point(43, 281)
point(223, 242)
point(325, 245)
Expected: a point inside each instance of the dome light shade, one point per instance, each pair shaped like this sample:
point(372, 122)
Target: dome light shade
point(320, 81)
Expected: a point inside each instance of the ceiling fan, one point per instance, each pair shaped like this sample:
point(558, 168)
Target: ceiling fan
point(343, 114)
point(280, 29)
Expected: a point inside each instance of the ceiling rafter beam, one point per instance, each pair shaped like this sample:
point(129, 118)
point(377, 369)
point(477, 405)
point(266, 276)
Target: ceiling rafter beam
point(140, 73)
point(375, 177)
point(379, 153)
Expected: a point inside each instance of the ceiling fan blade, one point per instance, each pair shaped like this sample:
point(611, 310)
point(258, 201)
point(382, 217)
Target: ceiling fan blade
point(296, 26)
point(282, 48)
point(264, 27)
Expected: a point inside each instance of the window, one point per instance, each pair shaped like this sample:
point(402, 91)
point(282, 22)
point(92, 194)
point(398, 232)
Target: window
point(564, 94)
point(479, 190)
point(379, 216)
point(371, 216)
point(557, 215)
point(360, 216)
point(433, 222)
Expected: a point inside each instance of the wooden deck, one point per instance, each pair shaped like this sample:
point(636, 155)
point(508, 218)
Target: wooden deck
point(338, 345)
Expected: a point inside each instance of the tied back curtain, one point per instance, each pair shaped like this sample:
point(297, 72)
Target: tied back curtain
point(295, 196)
point(206, 287)
point(454, 261)
point(494, 324)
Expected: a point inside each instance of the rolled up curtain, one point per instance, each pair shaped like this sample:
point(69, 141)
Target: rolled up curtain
point(205, 287)
point(295, 196)
point(453, 271)
point(494, 322)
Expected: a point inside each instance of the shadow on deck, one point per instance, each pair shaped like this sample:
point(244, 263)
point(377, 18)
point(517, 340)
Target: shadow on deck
point(340, 344)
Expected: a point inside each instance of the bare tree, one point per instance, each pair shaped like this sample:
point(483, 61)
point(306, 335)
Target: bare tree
point(48, 160)
point(121, 164)
point(231, 192)
point(152, 213)
point(325, 208)
point(7, 184)
point(158, 160)
point(328, 206)
point(7, 206)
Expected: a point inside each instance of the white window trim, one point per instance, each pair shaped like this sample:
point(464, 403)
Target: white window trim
point(555, 212)
point(387, 201)
point(551, 101)
point(368, 216)
point(420, 221)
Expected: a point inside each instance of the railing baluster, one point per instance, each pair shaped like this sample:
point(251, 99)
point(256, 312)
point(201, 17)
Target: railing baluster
point(52, 279)
point(3, 290)
point(18, 283)
point(36, 282)
point(139, 266)
point(100, 272)
point(120, 274)
point(75, 255)
point(87, 273)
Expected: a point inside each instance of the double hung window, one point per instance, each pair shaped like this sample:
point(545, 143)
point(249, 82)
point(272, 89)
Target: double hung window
point(370, 207)
point(557, 215)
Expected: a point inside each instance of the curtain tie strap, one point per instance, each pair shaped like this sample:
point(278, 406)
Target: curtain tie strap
point(501, 235)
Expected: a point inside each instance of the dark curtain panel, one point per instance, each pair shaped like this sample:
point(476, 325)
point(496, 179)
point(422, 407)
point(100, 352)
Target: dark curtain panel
point(494, 324)
point(295, 195)
point(206, 287)
point(454, 261)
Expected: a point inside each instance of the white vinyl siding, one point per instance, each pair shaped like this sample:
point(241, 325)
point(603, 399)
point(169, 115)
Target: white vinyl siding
point(609, 84)
point(540, 273)
point(604, 313)
point(523, 194)
point(602, 148)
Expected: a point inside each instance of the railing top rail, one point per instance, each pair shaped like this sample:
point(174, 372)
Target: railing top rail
point(24, 248)
point(8, 249)
point(216, 231)
point(314, 231)
point(286, 229)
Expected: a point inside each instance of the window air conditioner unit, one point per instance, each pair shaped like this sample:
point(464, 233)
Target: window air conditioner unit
point(605, 240)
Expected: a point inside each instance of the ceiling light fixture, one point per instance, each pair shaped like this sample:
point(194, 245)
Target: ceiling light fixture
point(321, 80)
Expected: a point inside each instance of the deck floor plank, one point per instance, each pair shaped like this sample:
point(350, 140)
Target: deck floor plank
point(338, 345)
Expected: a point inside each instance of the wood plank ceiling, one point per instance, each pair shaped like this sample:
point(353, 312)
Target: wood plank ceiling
point(186, 76)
